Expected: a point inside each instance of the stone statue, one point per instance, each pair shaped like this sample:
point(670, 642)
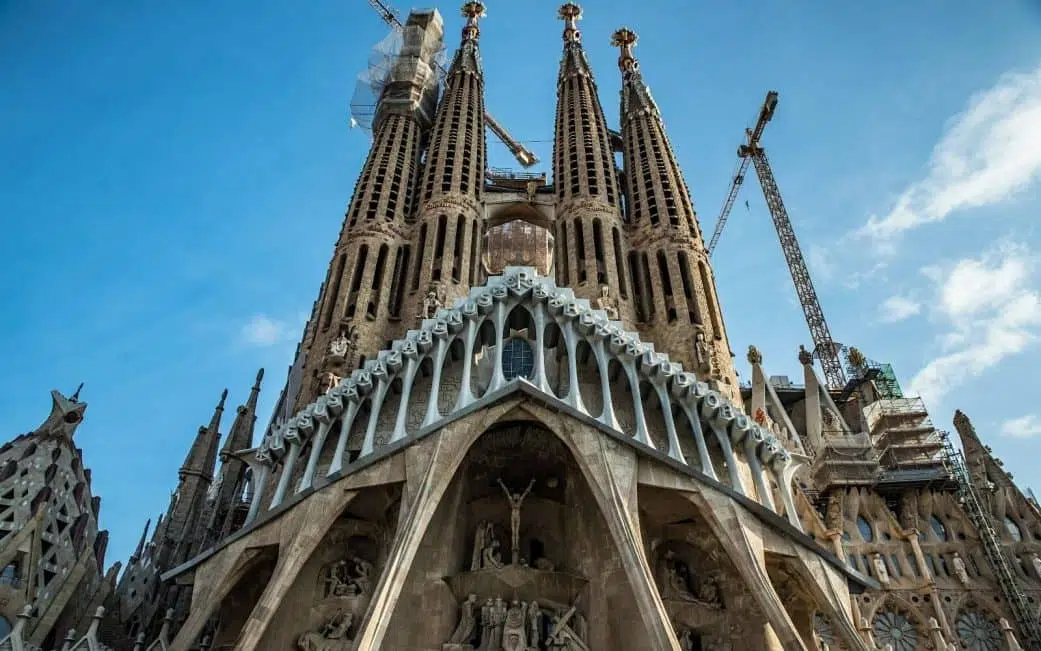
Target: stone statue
point(498, 618)
point(345, 342)
point(1036, 562)
point(491, 557)
point(708, 593)
point(481, 537)
point(805, 356)
point(331, 637)
point(362, 577)
point(515, 500)
point(487, 614)
point(686, 640)
point(464, 630)
point(703, 354)
point(514, 633)
point(963, 575)
point(833, 514)
point(674, 577)
point(607, 303)
point(880, 569)
point(534, 624)
point(909, 510)
point(531, 188)
point(348, 578)
point(434, 300)
point(562, 637)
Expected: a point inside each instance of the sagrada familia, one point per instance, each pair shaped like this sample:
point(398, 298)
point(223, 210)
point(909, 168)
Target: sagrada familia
point(514, 423)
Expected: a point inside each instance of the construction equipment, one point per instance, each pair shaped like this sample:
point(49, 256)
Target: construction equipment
point(826, 350)
point(968, 496)
point(523, 155)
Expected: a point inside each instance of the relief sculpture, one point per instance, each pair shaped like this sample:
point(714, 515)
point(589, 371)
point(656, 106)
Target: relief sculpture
point(348, 578)
point(331, 636)
point(516, 626)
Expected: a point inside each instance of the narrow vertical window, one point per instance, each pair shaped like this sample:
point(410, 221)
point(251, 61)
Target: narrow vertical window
point(377, 283)
point(619, 261)
point(329, 304)
point(693, 313)
point(457, 254)
point(638, 289)
point(473, 254)
point(580, 245)
point(420, 250)
point(710, 298)
point(645, 280)
point(439, 247)
point(598, 252)
point(397, 289)
point(666, 287)
point(564, 270)
point(359, 269)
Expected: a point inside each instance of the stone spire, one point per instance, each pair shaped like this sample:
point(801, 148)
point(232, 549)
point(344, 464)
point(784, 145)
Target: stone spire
point(591, 239)
point(361, 299)
point(673, 285)
point(446, 233)
point(240, 436)
point(223, 517)
point(140, 550)
point(66, 415)
point(202, 457)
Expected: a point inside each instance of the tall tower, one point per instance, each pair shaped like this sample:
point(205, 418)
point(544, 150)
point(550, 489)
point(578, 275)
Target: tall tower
point(446, 235)
point(361, 298)
point(673, 285)
point(591, 238)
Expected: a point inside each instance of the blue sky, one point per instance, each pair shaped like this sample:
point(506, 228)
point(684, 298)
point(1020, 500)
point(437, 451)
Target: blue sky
point(173, 181)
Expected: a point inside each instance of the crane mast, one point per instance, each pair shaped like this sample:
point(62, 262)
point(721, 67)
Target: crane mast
point(824, 347)
point(523, 155)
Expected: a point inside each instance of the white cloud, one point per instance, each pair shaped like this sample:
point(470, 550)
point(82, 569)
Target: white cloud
point(898, 308)
point(1024, 427)
point(263, 331)
point(988, 153)
point(991, 310)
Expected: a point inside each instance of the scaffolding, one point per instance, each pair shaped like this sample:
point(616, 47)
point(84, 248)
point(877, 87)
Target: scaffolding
point(1029, 625)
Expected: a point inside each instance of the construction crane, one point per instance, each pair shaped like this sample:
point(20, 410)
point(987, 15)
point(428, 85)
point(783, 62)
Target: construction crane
point(523, 155)
point(824, 348)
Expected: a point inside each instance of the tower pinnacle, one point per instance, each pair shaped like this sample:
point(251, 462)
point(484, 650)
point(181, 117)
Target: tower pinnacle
point(472, 11)
point(625, 39)
point(570, 13)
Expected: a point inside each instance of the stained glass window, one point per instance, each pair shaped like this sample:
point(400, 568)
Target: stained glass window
point(938, 528)
point(518, 360)
point(893, 629)
point(1013, 529)
point(977, 632)
point(865, 529)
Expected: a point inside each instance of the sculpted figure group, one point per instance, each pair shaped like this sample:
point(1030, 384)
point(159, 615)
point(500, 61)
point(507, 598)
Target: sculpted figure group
point(348, 578)
point(674, 581)
point(497, 625)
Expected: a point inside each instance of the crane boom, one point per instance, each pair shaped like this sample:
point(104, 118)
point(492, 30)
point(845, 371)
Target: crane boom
point(523, 155)
point(825, 348)
point(765, 113)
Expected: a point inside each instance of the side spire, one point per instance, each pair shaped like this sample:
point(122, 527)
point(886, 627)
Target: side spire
point(591, 242)
point(240, 436)
point(447, 225)
point(202, 457)
point(673, 287)
point(140, 550)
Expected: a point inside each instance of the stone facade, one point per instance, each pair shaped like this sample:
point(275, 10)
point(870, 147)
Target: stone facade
point(51, 550)
point(514, 424)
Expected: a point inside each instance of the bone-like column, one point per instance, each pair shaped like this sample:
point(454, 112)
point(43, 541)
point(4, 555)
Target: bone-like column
point(346, 424)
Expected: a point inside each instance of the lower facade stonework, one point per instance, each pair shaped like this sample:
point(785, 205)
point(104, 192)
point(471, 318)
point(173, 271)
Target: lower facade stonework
point(517, 528)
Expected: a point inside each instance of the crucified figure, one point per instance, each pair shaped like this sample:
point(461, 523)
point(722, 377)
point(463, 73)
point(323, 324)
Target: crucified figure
point(515, 500)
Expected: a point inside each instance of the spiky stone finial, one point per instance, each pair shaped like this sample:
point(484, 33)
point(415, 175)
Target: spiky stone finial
point(856, 358)
point(754, 356)
point(625, 39)
point(570, 13)
point(805, 356)
point(472, 11)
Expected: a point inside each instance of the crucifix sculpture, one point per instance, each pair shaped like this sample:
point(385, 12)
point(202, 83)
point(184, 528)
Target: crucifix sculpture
point(515, 500)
